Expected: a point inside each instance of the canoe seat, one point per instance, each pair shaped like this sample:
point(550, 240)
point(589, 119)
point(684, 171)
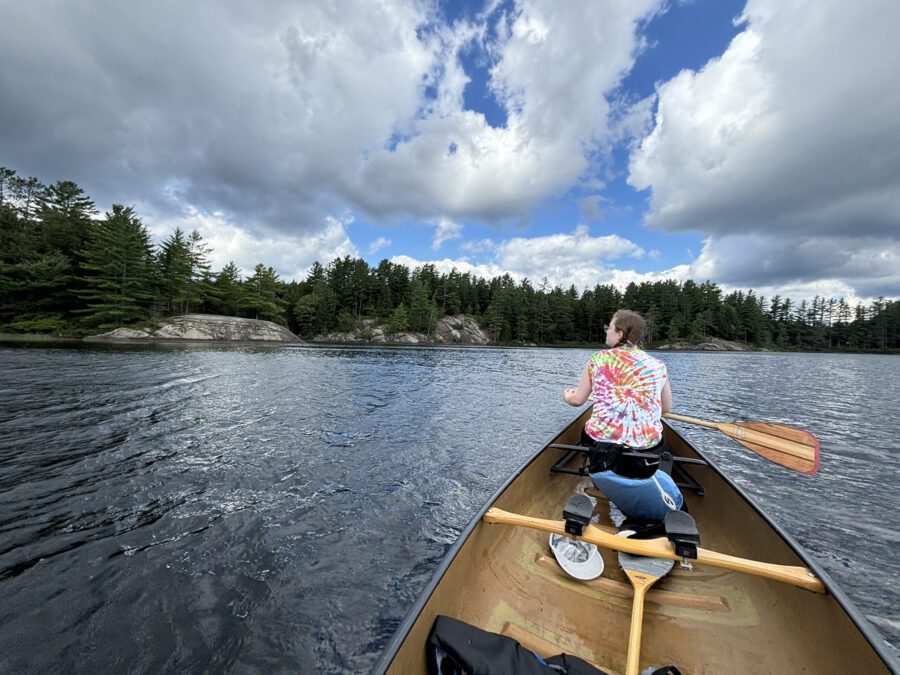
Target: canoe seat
point(683, 479)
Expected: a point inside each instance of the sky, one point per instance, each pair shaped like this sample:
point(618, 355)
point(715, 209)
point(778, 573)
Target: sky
point(753, 144)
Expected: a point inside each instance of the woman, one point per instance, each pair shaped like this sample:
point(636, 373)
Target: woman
point(630, 391)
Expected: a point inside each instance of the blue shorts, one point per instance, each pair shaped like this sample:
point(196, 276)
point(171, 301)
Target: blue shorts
point(640, 498)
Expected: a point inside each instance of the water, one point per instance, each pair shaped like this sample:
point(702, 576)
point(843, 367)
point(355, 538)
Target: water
point(275, 509)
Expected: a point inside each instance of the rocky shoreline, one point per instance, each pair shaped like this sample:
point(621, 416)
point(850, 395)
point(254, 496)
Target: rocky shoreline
point(711, 345)
point(449, 330)
point(457, 330)
point(204, 327)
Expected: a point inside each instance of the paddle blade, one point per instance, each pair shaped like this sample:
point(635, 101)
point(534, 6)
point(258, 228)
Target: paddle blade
point(652, 567)
point(791, 448)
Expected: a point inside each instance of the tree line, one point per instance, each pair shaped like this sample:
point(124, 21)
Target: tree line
point(66, 269)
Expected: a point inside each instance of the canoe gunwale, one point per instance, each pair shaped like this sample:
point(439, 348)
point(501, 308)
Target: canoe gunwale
point(875, 640)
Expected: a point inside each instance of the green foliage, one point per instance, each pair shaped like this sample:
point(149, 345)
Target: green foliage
point(44, 324)
point(59, 266)
point(259, 298)
point(399, 321)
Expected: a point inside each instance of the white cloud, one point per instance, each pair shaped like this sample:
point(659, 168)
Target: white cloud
point(787, 132)
point(379, 244)
point(584, 277)
point(291, 255)
point(868, 268)
point(445, 230)
point(478, 246)
point(552, 64)
point(280, 117)
point(445, 265)
point(564, 259)
point(559, 251)
point(263, 115)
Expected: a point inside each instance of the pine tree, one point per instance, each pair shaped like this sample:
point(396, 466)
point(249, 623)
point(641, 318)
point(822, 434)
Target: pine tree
point(421, 311)
point(118, 260)
point(200, 284)
point(399, 321)
point(259, 299)
point(65, 214)
point(226, 290)
point(174, 263)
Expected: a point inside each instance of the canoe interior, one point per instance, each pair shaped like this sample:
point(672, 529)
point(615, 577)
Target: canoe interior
point(505, 580)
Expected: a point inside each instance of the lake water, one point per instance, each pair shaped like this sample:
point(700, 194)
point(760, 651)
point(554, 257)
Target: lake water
point(200, 508)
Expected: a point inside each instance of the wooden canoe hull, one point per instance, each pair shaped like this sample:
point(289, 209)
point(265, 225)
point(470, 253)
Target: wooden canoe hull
point(504, 579)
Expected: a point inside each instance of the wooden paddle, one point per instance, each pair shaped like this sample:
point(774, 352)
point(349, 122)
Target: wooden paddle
point(791, 448)
point(643, 573)
point(661, 547)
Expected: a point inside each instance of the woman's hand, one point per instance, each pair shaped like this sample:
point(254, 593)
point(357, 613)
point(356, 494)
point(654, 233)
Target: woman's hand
point(577, 397)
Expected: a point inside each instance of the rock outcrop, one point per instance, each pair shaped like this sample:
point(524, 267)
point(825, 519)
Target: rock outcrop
point(449, 330)
point(207, 327)
point(712, 345)
point(460, 329)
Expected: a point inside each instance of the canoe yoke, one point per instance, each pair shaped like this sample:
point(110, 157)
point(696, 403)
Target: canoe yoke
point(675, 466)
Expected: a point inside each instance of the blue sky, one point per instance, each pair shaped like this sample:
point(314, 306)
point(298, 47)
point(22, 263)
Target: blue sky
point(586, 142)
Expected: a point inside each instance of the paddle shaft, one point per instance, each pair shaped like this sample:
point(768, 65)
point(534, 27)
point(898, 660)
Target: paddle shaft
point(801, 577)
point(641, 583)
point(788, 447)
point(740, 433)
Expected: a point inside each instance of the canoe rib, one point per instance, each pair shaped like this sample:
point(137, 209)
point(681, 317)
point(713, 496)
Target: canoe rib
point(708, 603)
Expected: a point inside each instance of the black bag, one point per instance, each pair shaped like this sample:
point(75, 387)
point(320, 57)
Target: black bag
point(456, 648)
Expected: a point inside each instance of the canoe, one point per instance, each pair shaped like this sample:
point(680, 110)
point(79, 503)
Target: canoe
point(504, 579)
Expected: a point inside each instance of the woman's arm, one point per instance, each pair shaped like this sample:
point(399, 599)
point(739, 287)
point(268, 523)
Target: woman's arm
point(666, 398)
point(578, 396)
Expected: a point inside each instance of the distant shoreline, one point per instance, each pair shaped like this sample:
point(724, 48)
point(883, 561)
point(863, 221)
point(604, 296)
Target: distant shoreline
point(38, 338)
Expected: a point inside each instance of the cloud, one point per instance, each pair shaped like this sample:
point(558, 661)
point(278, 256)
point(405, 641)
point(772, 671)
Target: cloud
point(445, 230)
point(282, 117)
point(379, 244)
point(262, 115)
point(478, 246)
point(446, 265)
point(558, 251)
point(292, 256)
point(584, 277)
point(869, 268)
point(549, 64)
point(563, 259)
point(786, 132)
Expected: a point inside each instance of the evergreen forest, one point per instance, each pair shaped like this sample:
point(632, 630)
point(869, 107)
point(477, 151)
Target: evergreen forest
point(66, 269)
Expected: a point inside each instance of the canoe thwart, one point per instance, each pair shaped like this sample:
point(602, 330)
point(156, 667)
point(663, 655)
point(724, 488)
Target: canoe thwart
point(799, 576)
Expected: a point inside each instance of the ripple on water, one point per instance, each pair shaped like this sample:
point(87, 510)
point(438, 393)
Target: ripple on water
point(248, 509)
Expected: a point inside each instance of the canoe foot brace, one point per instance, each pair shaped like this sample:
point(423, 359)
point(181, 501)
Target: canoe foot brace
point(681, 530)
point(577, 512)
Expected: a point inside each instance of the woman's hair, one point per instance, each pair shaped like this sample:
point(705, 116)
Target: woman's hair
point(631, 324)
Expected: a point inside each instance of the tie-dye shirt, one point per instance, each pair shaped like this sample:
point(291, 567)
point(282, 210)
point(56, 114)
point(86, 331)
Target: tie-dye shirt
point(627, 385)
